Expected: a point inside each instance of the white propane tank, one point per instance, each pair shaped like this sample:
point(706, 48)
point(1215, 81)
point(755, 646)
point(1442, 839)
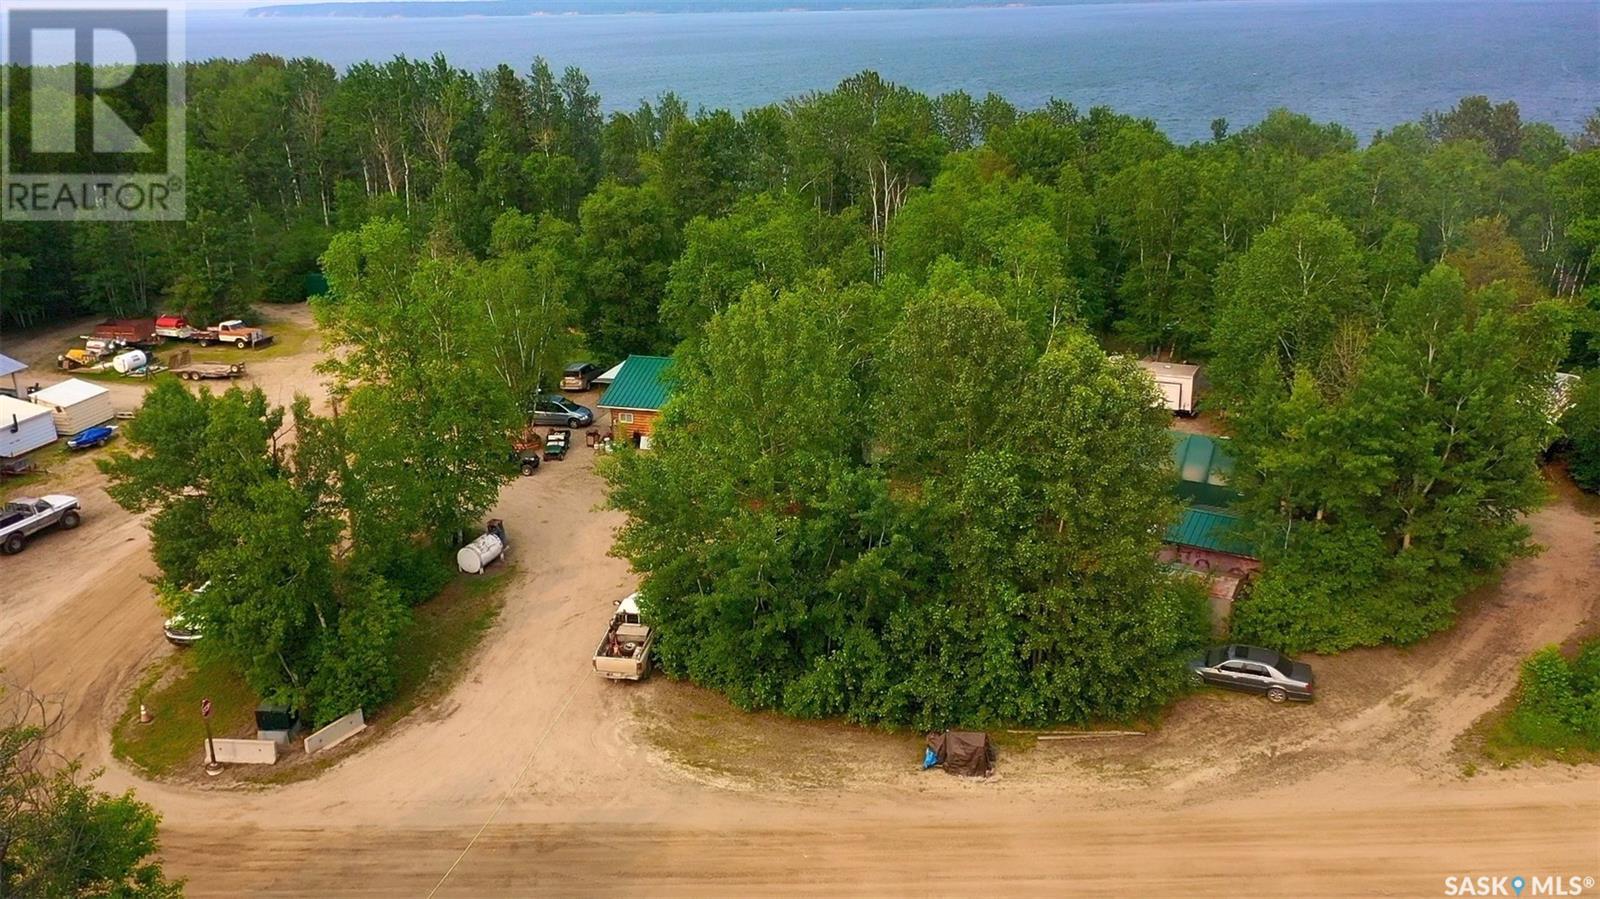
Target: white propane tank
point(131, 361)
point(476, 556)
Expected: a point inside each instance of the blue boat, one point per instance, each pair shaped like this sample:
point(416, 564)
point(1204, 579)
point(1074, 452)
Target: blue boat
point(98, 435)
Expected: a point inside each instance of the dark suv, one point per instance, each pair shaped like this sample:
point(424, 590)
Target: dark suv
point(1254, 670)
point(580, 376)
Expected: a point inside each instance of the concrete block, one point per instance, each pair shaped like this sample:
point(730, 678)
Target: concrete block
point(246, 752)
point(336, 732)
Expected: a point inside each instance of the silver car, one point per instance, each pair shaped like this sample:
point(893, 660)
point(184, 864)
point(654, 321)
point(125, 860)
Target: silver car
point(180, 631)
point(558, 410)
point(1255, 670)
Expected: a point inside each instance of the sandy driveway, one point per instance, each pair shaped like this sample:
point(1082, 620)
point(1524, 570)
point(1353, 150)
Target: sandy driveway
point(545, 771)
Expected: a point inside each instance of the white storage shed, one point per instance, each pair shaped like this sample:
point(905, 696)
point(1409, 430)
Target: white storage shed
point(76, 404)
point(24, 427)
point(1177, 383)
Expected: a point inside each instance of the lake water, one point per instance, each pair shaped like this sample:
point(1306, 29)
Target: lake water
point(1368, 64)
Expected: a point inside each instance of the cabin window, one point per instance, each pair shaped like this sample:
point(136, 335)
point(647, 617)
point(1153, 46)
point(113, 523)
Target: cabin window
point(625, 417)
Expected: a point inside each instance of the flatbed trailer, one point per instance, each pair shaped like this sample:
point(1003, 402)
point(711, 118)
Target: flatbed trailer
point(136, 332)
point(209, 371)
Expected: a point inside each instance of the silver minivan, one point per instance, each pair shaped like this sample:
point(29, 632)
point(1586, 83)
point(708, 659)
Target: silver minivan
point(558, 410)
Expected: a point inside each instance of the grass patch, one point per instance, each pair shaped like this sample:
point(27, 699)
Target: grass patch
point(444, 632)
point(172, 691)
point(1500, 740)
point(438, 646)
point(699, 729)
point(1551, 716)
point(288, 338)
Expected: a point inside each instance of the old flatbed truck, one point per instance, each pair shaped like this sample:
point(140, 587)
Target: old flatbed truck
point(624, 652)
point(234, 332)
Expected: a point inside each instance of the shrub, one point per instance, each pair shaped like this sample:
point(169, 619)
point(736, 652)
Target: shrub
point(1558, 705)
point(1581, 425)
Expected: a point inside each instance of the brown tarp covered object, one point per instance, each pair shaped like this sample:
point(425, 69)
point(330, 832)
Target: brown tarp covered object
point(963, 752)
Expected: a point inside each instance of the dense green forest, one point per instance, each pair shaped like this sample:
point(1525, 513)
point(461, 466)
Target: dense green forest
point(901, 479)
point(282, 154)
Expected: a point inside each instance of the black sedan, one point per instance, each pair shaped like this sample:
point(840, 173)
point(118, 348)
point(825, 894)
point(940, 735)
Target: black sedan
point(1255, 670)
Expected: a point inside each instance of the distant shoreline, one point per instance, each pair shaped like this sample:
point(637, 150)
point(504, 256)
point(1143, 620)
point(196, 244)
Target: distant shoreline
point(476, 9)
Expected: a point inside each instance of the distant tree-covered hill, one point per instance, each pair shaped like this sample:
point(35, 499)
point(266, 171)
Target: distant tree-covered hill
point(457, 8)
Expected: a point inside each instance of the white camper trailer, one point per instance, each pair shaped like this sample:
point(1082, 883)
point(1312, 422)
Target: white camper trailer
point(1177, 382)
point(24, 427)
point(76, 404)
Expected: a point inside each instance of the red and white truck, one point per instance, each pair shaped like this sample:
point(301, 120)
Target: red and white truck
point(233, 331)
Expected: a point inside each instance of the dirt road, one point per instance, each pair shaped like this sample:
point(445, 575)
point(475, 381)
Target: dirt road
point(535, 778)
point(1401, 844)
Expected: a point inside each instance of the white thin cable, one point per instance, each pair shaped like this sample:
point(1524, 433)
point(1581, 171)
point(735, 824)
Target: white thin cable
point(571, 691)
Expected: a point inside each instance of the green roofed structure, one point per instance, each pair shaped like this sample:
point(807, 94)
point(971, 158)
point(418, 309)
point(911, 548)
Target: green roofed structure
point(635, 397)
point(1211, 529)
point(1205, 468)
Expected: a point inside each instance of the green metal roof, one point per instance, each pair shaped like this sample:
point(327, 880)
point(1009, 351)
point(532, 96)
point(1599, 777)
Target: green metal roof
point(1204, 468)
point(640, 385)
point(1211, 529)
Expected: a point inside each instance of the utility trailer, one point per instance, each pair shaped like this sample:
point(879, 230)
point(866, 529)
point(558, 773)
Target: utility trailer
point(139, 332)
point(96, 351)
point(1178, 383)
point(183, 367)
point(16, 468)
point(527, 450)
point(92, 438)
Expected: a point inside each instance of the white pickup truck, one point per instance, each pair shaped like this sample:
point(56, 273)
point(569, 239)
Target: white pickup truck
point(233, 332)
point(25, 516)
point(624, 653)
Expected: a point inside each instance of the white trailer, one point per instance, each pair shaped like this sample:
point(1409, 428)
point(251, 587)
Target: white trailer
point(1177, 382)
point(24, 427)
point(76, 404)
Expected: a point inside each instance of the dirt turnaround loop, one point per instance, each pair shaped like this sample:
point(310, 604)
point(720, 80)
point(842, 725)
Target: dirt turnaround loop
point(534, 778)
